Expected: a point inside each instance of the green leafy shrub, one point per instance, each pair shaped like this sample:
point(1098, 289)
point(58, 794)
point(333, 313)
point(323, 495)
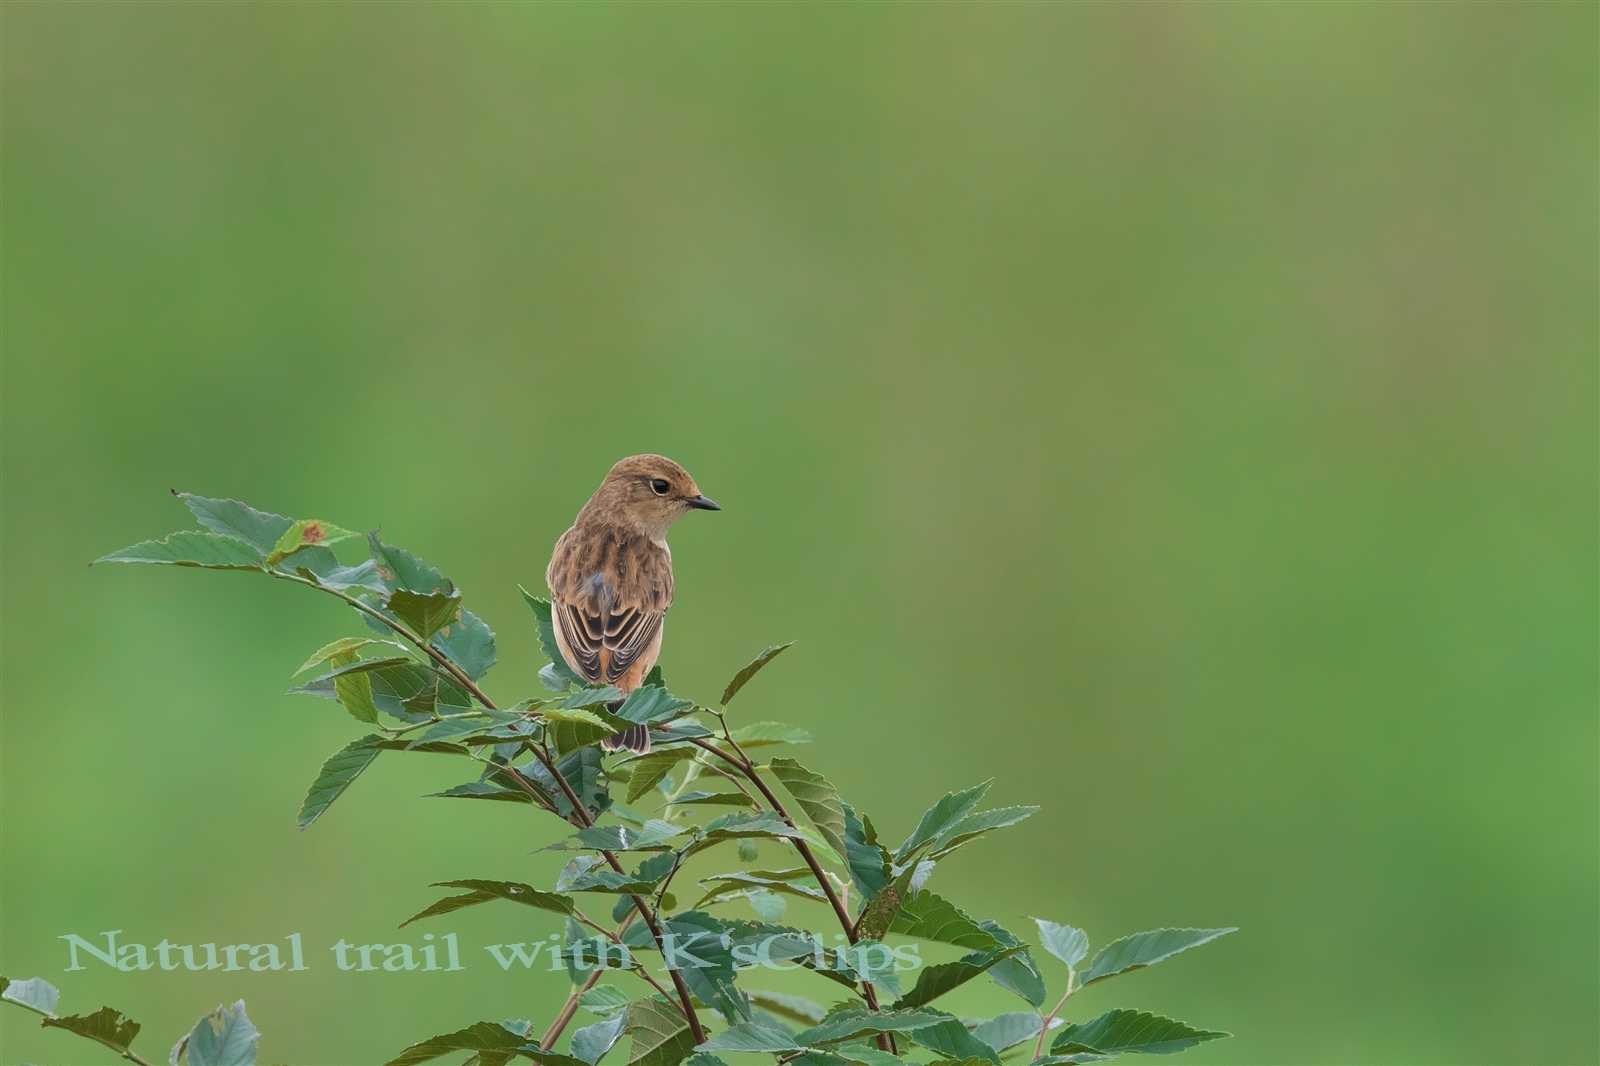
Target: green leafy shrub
point(413, 680)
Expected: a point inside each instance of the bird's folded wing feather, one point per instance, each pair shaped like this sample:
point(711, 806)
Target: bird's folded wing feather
point(606, 644)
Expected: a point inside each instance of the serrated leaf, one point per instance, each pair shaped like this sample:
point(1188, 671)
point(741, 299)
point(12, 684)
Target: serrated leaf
point(425, 613)
point(573, 727)
point(209, 551)
point(482, 1037)
point(231, 518)
point(795, 1008)
point(306, 533)
point(591, 1042)
point(817, 798)
point(403, 689)
point(344, 646)
point(322, 567)
point(730, 883)
point(586, 874)
point(648, 837)
point(950, 1039)
point(560, 675)
point(1065, 942)
point(481, 891)
point(648, 770)
point(976, 825)
point(942, 816)
point(1119, 1031)
point(604, 1000)
point(35, 993)
point(107, 1026)
point(337, 774)
point(225, 1037)
point(1146, 949)
point(753, 1037)
point(1018, 973)
point(1008, 1030)
point(648, 705)
point(757, 734)
point(468, 641)
point(660, 1034)
point(854, 1021)
point(867, 861)
point(483, 790)
point(751, 669)
point(932, 917)
point(935, 981)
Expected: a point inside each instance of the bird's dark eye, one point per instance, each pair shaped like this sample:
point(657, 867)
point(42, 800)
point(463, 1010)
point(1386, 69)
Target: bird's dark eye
point(659, 486)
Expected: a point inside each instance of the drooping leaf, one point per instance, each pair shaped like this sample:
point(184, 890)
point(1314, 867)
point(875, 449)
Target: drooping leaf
point(403, 689)
point(648, 770)
point(750, 670)
point(586, 874)
point(337, 774)
point(817, 798)
point(935, 981)
point(346, 646)
point(932, 917)
point(795, 1008)
point(484, 790)
point(605, 1000)
point(976, 825)
point(1119, 1031)
point(1065, 942)
point(731, 883)
point(703, 957)
point(698, 798)
point(322, 567)
point(758, 734)
point(855, 1021)
point(558, 675)
point(591, 1042)
point(482, 1037)
point(660, 1034)
point(950, 1039)
point(1146, 949)
point(648, 704)
point(35, 993)
point(868, 862)
point(1018, 973)
point(584, 774)
point(260, 529)
point(573, 728)
point(1007, 1030)
point(649, 837)
point(225, 1037)
point(753, 1037)
point(210, 551)
point(467, 641)
point(462, 726)
point(480, 891)
point(107, 1026)
point(425, 613)
point(942, 816)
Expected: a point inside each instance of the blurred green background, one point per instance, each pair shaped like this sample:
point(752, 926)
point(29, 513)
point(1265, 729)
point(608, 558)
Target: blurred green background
point(1184, 414)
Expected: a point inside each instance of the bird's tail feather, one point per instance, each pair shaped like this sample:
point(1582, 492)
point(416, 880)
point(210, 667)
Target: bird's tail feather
point(634, 738)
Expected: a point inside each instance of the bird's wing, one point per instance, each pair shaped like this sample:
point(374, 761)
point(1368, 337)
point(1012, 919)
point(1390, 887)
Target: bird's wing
point(604, 645)
point(610, 595)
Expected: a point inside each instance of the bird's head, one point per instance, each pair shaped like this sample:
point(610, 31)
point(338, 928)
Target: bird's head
point(649, 493)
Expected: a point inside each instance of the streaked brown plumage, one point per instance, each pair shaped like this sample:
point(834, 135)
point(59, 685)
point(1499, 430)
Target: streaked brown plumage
point(610, 576)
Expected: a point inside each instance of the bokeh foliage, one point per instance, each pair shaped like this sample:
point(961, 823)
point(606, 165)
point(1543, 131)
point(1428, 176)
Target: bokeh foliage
point(1195, 404)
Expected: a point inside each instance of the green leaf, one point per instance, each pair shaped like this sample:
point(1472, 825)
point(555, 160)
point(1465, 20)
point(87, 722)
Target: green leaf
point(1065, 942)
point(306, 533)
point(261, 529)
point(723, 885)
point(586, 874)
point(1018, 973)
point(703, 1059)
point(877, 918)
point(1008, 1030)
point(342, 768)
point(942, 816)
point(209, 551)
point(344, 646)
point(1119, 1031)
point(950, 1039)
point(868, 862)
point(591, 1042)
point(468, 724)
point(932, 917)
point(753, 1037)
point(648, 704)
point(573, 728)
point(35, 993)
point(354, 690)
point(768, 905)
point(935, 981)
point(604, 999)
point(817, 797)
point(648, 770)
point(480, 891)
point(321, 566)
point(1145, 949)
point(483, 790)
point(425, 613)
point(482, 1037)
point(855, 1021)
point(753, 668)
point(757, 734)
point(660, 1034)
point(795, 1008)
point(648, 837)
point(748, 851)
point(107, 1026)
point(225, 1037)
point(713, 799)
point(974, 826)
point(406, 690)
point(468, 642)
point(559, 672)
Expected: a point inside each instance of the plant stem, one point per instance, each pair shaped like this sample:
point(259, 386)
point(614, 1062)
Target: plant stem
point(570, 1007)
point(742, 763)
point(1044, 1023)
point(580, 813)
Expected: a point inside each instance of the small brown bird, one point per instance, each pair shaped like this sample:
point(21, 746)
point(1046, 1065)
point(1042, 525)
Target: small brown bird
point(610, 577)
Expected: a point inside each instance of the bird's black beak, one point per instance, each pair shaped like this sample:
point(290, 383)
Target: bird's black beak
point(703, 503)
